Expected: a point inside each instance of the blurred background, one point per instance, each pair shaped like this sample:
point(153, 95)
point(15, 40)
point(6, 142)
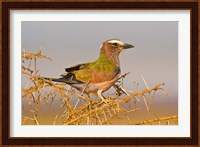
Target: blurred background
point(155, 56)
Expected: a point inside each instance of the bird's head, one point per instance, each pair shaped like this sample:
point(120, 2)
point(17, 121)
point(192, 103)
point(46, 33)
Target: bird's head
point(114, 46)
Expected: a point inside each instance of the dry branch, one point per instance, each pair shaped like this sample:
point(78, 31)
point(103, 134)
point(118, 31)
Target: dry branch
point(85, 110)
point(157, 120)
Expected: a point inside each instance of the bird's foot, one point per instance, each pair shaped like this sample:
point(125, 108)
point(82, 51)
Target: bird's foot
point(105, 100)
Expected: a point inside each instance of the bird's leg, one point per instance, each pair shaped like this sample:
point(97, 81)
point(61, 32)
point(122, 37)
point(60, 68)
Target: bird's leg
point(99, 93)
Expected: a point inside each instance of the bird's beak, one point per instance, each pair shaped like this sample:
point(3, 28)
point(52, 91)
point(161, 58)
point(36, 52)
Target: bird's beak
point(127, 46)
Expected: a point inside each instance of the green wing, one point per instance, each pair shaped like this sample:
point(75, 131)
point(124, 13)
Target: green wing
point(97, 73)
point(94, 72)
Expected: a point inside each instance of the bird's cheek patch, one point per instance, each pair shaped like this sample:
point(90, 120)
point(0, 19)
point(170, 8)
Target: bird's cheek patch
point(121, 50)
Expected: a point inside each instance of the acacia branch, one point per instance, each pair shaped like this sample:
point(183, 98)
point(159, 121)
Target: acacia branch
point(157, 120)
point(91, 112)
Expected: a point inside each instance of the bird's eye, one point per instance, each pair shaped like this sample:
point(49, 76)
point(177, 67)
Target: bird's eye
point(115, 44)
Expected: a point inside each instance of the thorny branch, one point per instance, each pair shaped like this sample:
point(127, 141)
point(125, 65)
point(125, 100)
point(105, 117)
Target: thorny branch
point(85, 110)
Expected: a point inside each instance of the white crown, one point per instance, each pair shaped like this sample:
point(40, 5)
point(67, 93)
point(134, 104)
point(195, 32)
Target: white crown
point(116, 41)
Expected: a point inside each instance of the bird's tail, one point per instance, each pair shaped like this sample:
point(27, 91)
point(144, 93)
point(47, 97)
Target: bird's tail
point(56, 79)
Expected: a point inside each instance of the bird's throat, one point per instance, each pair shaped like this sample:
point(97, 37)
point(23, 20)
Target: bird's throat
point(109, 58)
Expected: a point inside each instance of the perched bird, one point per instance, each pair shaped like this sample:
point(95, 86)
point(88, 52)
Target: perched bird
point(98, 76)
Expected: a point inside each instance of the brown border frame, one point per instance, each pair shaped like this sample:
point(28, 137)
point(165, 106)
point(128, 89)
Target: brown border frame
point(7, 140)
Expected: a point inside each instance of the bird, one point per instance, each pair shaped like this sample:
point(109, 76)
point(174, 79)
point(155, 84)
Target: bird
point(94, 78)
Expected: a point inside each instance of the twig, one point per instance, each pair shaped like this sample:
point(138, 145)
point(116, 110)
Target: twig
point(145, 101)
point(157, 120)
point(36, 121)
point(145, 82)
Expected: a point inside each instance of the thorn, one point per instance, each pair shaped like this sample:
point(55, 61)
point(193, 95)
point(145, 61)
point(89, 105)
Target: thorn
point(145, 102)
point(36, 121)
point(76, 104)
point(145, 82)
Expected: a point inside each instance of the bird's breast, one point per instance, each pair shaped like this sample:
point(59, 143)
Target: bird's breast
point(107, 84)
point(92, 88)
